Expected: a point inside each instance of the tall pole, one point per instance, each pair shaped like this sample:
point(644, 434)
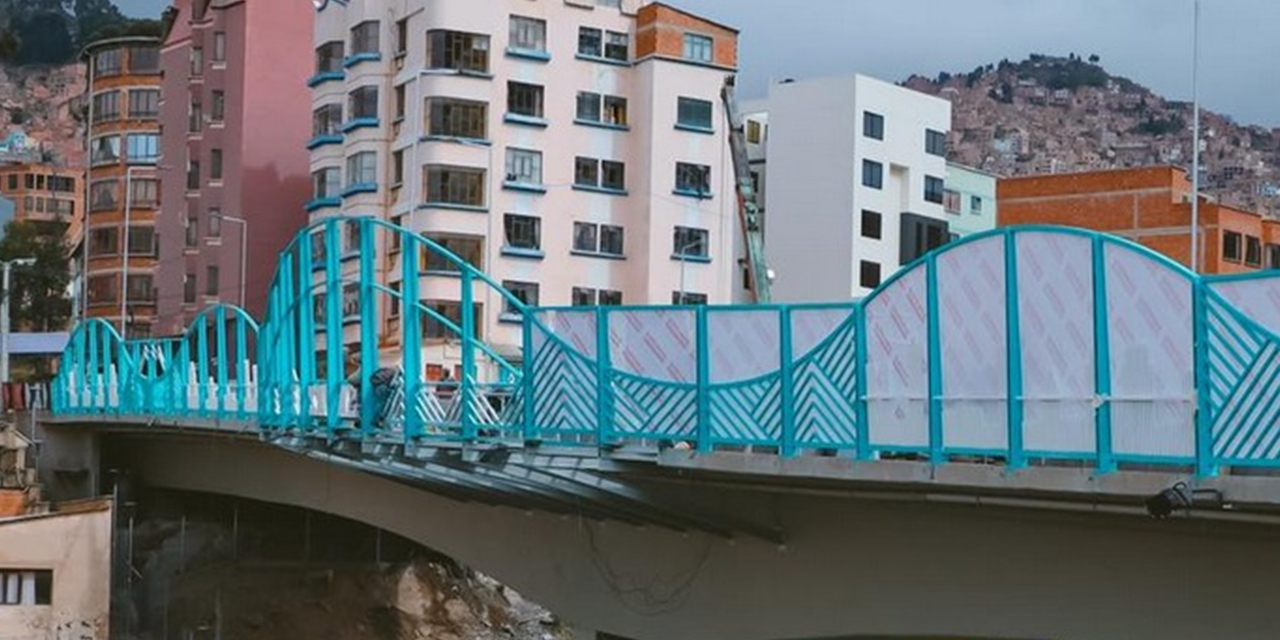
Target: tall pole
point(244, 249)
point(124, 253)
point(1195, 141)
point(6, 266)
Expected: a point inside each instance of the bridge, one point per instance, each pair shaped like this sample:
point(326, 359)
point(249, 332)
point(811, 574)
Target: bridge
point(1005, 403)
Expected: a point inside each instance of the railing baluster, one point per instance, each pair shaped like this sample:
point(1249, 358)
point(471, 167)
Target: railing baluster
point(467, 387)
point(333, 325)
point(1013, 354)
point(368, 327)
point(1102, 359)
point(220, 337)
point(410, 334)
point(937, 454)
point(703, 359)
point(787, 383)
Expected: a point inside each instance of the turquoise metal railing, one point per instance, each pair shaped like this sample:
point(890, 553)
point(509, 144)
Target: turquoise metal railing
point(1015, 346)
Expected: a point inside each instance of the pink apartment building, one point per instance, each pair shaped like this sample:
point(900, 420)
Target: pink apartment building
point(235, 167)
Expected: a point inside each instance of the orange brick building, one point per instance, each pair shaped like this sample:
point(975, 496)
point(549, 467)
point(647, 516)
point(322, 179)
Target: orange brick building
point(1151, 206)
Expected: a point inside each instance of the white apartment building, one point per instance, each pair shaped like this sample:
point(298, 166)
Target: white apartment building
point(852, 172)
point(575, 150)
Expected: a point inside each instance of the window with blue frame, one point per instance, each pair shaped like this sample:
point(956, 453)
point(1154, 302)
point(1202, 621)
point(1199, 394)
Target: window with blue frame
point(690, 242)
point(327, 120)
point(454, 185)
point(525, 292)
point(524, 166)
point(597, 43)
point(329, 57)
point(698, 48)
point(975, 205)
point(522, 232)
point(694, 113)
point(364, 102)
point(602, 239)
point(326, 183)
point(470, 249)
point(693, 179)
point(872, 174)
point(524, 99)
point(143, 148)
point(602, 109)
point(599, 174)
point(528, 34)
point(362, 169)
point(454, 118)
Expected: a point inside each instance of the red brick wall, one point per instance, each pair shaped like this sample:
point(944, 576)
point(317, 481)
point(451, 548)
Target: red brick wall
point(660, 31)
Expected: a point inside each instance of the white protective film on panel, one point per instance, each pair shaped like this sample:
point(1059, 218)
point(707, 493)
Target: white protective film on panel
point(1055, 316)
point(812, 327)
point(576, 328)
point(898, 363)
point(743, 344)
point(657, 344)
point(1258, 298)
point(1152, 357)
point(972, 336)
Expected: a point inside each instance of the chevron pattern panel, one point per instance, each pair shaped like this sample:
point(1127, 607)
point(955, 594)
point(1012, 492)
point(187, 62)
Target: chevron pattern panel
point(564, 388)
point(648, 409)
point(825, 389)
point(748, 413)
point(1244, 387)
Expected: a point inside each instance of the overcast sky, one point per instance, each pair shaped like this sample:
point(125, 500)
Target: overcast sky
point(1147, 40)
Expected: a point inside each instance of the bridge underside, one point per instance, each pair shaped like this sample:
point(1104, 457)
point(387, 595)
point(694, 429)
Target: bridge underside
point(709, 547)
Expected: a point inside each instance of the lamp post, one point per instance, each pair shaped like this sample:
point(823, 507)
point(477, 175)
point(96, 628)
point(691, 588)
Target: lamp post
point(244, 246)
point(1195, 139)
point(7, 265)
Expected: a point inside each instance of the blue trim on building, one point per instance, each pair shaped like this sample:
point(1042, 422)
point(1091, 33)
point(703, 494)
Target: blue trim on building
point(601, 125)
point(695, 259)
point(699, 195)
point(325, 76)
point(695, 129)
point(322, 140)
point(321, 203)
point(359, 123)
point(517, 252)
point(355, 59)
point(467, 142)
point(360, 187)
point(527, 121)
point(528, 54)
point(594, 189)
point(524, 186)
point(454, 207)
point(596, 254)
point(602, 60)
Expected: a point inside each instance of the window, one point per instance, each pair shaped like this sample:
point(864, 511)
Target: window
point(601, 174)
point(1253, 251)
point(872, 222)
point(104, 242)
point(590, 42)
point(872, 174)
point(454, 185)
point(192, 231)
point(107, 63)
point(693, 179)
point(144, 193)
point(189, 288)
point(142, 242)
point(469, 248)
point(364, 38)
point(104, 195)
point(329, 57)
point(525, 292)
point(327, 120)
point(951, 201)
point(690, 243)
point(755, 132)
point(193, 175)
point(26, 587)
point(920, 235)
point(935, 143)
point(528, 34)
point(215, 223)
point(326, 183)
point(399, 97)
point(362, 169)
point(601, 239)
point(218, 112)
point(457, 118)
point(524, 99)
point(402, 37)
point(604, 109)
point(616, 46)
point(522, 232)
point(197, 61)
point(524, 166)
point(933, 189)
point(141, 288)
point(364, 102)
point(106, 106)
point(686, 298)
point(215, 165)
point(103, 290)
point(211, 281)
point(873, 125)
point(105, 149)
point(397, 168)
point(144, 103)
point(610, 45)
point(467, 52)
point(975, 205)
point(350, 301)
point(869, 274)
point(1232, 246)
point(433, 329)
point(698, 48)
point(144, 59)
point(691, 112)
point(195, 115)
point(588, 297)
point(219, 46)
point(1273, 256)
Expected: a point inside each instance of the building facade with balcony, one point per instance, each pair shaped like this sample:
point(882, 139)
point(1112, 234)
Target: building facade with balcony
point(122, 195)
point(42, 192)
point(574, 150)
point(234, 164)
point(853, 173)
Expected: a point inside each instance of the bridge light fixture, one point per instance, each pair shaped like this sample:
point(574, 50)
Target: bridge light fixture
point(1178, 497)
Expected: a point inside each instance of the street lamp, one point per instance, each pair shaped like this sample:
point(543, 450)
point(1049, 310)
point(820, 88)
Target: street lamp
point(1195, 138)
point(7, 265)
point(244, 246)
